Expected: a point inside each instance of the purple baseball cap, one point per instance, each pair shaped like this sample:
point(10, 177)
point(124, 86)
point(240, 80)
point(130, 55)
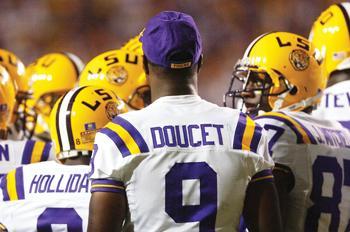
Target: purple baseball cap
point(171, 39)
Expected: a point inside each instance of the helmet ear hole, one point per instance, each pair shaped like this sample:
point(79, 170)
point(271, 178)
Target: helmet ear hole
point(294, 90)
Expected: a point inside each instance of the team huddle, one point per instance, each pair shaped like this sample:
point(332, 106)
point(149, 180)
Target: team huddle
point(125, 143)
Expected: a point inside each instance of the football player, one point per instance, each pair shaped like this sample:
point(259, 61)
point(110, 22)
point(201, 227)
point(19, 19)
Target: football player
point(120, 71)
point(54, 195)
point(182, 163)
point(50, 76)
point(282, 81)
point(330, 34)
point(16, 69)
point(14, 153)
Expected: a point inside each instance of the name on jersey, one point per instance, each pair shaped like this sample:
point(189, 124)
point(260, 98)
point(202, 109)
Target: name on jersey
point(192, 135)
point(60, 183)
point(331, 137)
point(339, 100)
point(4, 153)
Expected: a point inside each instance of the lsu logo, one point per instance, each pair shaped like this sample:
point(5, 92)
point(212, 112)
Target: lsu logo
point(117, 75)
point(299, 59)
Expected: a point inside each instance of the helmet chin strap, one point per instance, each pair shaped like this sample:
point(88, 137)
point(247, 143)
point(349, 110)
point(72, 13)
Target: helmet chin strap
point(279, 102)
point(299, 105)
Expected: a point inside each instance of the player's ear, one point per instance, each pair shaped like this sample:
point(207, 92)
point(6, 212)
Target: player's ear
point(145, 65)
point(200, 63)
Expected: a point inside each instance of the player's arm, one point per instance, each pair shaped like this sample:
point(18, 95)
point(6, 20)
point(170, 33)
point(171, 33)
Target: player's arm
point(107, 211)
point(284, 180)
point(261, 208)
point(3, 228)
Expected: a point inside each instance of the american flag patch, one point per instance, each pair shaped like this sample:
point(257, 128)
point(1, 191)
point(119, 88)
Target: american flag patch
point(90, 126)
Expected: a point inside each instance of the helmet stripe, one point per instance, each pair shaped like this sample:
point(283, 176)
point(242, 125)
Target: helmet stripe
point(251, 45)
point(64, 127)
point(68, 118)
point(57, 123)
point(345, 8)
point(77, 63)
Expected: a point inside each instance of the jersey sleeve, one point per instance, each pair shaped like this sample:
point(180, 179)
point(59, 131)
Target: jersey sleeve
point(11, 186)
point(37, 151)
point(251, 138)
point(117, 151)
point(284, 134)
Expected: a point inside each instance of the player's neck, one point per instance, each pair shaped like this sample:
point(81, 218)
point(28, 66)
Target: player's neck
point(81, 160)
point(338, 76)
point(162, 87)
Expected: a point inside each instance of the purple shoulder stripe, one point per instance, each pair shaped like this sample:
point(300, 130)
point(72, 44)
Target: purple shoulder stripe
point(27, 152)
point(124, 150)
point(238, 136)
point(46, 152)
point(135, 134)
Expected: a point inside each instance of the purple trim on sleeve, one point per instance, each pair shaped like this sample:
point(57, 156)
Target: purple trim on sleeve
point(106, 185)
point(27, 152)
point(263, 173)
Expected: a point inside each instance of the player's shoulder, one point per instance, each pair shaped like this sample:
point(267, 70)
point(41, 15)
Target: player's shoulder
point(339, 87)
point(125, 134)
point(293, 125)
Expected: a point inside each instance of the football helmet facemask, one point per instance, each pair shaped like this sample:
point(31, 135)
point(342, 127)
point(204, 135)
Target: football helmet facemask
point(277, 71)
point(330, 35)
point(78, 115)
point(50, 76)
point(120, 71)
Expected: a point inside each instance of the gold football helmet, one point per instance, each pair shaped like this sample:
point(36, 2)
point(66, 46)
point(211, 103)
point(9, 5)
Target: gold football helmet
point(120, 71)
point(50, 76)
point(78, 115)
point(7, 100)
point(330, 35)
point(16, 70)
point(278, 71)
point(133, 45)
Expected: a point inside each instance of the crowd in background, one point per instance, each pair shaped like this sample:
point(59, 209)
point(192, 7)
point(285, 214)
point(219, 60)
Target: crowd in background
point(31, 28)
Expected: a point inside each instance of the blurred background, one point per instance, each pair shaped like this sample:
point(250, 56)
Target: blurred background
point(31, 28)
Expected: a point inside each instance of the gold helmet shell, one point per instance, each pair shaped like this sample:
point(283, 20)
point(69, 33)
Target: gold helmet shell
point(122, 72)
point(330, 35)
point(7, 98)
point(50, 76)
point(287, 60)
point(78, 115)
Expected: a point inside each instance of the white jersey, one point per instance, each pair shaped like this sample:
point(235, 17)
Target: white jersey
point(184, 163)
point(335, 104)
point(14, 153)
point(317, 152)
point(45, 196)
